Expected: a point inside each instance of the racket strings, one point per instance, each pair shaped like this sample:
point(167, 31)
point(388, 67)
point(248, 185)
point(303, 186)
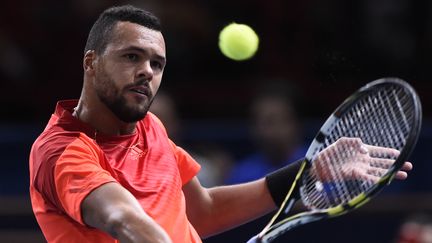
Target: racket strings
point(381, 119)
point(401, 104)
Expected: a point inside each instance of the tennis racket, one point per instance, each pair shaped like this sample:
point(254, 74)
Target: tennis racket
point(356, 153)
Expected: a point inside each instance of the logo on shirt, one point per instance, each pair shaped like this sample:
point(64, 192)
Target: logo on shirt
point(135, 152)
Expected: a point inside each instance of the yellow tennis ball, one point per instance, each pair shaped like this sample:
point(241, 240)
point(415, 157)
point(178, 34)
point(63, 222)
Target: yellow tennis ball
point(238, 41)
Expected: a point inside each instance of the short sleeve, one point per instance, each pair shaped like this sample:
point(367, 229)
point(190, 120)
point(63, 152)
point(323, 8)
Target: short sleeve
point(188, 167)
point(78, 171)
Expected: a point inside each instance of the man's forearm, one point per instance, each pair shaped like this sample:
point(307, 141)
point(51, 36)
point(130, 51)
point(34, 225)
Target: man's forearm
point(130, 227)
point(225, 207)
point(113, 209)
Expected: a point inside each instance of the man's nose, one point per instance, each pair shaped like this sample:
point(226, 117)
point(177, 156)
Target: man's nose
point(145, 71)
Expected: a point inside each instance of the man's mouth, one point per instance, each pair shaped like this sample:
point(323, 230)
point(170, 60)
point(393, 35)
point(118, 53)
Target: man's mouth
point(142, 90)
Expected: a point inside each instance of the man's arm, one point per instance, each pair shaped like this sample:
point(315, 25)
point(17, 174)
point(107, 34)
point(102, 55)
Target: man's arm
point(218, 209)
point(214, 210)
point(115, 210)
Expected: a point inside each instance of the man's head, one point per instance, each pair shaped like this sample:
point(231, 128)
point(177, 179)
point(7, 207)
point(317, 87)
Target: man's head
point(101, 32)
point(124, 61)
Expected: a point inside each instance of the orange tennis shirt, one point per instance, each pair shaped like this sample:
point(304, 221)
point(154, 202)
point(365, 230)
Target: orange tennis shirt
point(69, 160)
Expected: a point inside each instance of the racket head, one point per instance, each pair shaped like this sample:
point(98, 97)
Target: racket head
point(313, 189)
point(384, 113)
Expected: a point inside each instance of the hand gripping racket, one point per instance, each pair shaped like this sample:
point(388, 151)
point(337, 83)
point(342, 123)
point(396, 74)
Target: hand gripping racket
point(356, 153)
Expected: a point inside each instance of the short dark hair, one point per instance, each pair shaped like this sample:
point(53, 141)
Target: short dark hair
point(100, 33)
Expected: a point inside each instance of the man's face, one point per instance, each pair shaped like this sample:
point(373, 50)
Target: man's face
point(129, 72)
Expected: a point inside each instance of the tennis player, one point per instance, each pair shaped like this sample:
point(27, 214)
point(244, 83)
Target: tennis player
point(104, 169)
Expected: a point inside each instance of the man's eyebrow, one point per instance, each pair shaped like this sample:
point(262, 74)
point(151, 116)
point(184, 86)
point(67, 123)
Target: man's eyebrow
point(144, 51)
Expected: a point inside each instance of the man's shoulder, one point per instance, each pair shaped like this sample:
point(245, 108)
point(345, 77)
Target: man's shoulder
point(56, 138)
point(51, 145)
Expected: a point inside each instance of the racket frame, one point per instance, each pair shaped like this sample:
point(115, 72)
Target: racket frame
point(274, 230)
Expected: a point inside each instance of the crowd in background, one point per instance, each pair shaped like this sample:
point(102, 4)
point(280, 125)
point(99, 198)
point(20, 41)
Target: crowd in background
point(326, 48)
point(240, 120)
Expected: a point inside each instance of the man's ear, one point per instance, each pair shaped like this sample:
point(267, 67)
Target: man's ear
point(89, 61)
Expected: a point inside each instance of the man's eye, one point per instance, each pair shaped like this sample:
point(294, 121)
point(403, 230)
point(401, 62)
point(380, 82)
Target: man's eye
point(156, 65)
point(131, 57)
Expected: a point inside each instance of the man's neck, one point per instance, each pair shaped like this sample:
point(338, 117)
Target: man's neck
point(102, 119)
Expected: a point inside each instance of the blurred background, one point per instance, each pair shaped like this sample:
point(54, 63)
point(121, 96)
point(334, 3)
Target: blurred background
point(232, 116)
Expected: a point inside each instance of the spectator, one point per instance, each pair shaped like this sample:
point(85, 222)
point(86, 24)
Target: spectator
point(416, 229)
point(275, 131)
point(214, 159)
